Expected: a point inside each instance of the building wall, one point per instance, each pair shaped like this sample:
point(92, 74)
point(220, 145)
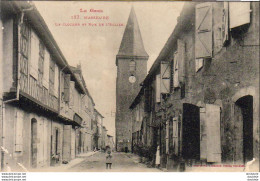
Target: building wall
point(8, 40)
point(23, 155)
point(230, 74)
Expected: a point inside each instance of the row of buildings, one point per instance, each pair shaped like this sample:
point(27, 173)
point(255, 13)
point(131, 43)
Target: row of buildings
point(47, 114)
point(199, 102)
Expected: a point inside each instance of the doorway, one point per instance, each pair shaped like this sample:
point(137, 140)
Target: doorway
point(243, 129)
point(33, 143)
point(191, 132)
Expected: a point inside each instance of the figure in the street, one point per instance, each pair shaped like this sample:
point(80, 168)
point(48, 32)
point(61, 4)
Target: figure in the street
point(157, 160)
point(108, 158)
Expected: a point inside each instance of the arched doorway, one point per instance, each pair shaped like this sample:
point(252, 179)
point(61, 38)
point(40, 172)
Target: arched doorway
point(191, 132)
point(243, 129)
point(34, 143)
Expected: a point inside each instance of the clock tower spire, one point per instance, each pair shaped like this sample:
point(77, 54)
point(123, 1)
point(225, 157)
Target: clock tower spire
point(131, 62)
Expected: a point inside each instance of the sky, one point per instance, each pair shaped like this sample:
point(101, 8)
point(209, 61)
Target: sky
point(95, 47)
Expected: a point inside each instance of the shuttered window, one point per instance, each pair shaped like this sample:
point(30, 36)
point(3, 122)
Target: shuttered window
point(167, 136)
point(171, 148)
point(51, 76)
point(67, 88)
point(41, 63)
point(203, 34)
point(34, 55)
point(175, 135)
point(23, 56)
point(56, 81)
point(239, 13)
point(72, 87)
point(158, 88)
point(175, 71)
point(213, 133)
point(19, 131)
point(46, 70)
point(165, 77)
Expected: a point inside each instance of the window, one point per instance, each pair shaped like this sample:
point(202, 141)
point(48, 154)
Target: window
point(56, 141)
point(19, 131)
point(132, 66)
point(67, 88)
point(203, 32)
point(51, 77)
point(34, 55)
point(165, 77)
point(24, 48)
point(56, 80)
point(239, 13)
point(41, 63)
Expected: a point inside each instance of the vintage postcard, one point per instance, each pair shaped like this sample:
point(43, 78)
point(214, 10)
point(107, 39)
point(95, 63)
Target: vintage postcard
point(129, 86)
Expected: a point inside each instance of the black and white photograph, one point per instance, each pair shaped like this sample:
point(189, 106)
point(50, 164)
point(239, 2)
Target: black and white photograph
point(129, 86)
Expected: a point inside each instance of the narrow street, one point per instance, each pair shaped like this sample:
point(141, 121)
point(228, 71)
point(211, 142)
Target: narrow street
point(125, 162)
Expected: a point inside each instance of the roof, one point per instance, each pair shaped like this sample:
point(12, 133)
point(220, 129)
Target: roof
point(137, 126)
point(132, 42)
point(98, 112)
point(38, 24)
point(184, 20)
point(78, 73)
point(137, 98)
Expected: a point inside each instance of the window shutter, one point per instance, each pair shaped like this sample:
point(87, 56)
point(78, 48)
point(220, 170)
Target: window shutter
point(239, 13)
point(67, 142)
point(19, 131)
point(172, 75)
point(203, 134)
point(225, 23)
point(175, 135)
point(203, 34)
point(67, 88)
point(56, 80)
point(34, 56)
point(167, 137)
point(199, 64)
point(46, 70)
point(213, 133)
point(72, 86)
point(175, 73)
point(181, 60)
point(158, 88)
point(165, 77)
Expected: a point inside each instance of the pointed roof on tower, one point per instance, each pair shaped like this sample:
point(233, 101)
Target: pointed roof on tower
point(132, 42)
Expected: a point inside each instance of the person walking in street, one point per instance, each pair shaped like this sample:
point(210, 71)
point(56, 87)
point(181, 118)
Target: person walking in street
point(108, 158)
point(158, 157)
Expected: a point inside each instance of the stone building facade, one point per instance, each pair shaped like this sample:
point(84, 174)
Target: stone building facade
point(46, 110)
point(202, 92)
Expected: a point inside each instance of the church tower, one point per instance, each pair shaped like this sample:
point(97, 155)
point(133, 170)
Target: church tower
point(131, 62)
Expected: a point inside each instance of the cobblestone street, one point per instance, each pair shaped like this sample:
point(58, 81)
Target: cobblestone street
point(126, 162)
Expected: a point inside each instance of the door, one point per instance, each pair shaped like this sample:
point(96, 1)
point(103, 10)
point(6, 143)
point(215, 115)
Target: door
point(191, 132)
point(33, 143)
point(67, 143)
point(243, 129)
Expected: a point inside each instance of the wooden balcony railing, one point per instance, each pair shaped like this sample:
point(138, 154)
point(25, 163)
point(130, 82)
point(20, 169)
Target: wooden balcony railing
point(38, 92)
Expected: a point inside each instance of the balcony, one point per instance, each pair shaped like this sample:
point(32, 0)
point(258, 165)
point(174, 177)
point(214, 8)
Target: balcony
point(37, 93)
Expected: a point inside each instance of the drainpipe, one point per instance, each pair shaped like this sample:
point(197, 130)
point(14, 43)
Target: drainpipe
point(17, 93)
